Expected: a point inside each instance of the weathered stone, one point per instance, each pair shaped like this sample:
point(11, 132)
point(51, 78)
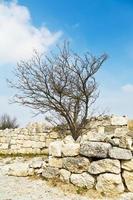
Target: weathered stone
point(65, 175)
point(105, 165)
point(125, 142)
point(119, 120)
point(109, 184)
point(70, 149)
point(95, 149)
point(55, 148)
point(76, 164)
point(19, 169)
point(54, 135)
point(83, 180)
point(119, 153)
point(127, 165)
point(94, 136)
point(36, 163)
point(50, 172)
point(119, 132)
point(55, 162)
point(128, 177)
point(49, 141)
point(68, 139)
point(130, 125)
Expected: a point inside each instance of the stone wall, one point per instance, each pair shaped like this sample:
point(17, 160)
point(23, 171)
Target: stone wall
point(101, 158)
point(34, 139)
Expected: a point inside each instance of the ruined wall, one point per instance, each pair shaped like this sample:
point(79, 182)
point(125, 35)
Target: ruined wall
point(34, 139)
point(101, 158)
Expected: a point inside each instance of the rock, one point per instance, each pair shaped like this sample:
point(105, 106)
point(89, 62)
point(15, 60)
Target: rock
point(55, 162)
point(125, 142)
point(83, 180)
point(95, 149)
point(130, 125)
point(76, 164)
point(94, 136)
point(54, 135)
point(119, 153)
point(119, 132)
point(20, 169)
point(126, 196)
point(70, 149)
point(119, 120)
point(109, 184)
point(36, 163)
point(68, 139)
point(65, 175)
point(50, 172)
point(55, 148)
point(128, 177)
point(127, 165)
point(104, 165)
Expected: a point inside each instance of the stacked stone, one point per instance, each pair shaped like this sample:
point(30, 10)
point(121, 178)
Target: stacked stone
point(97, 160)
point(34, 139)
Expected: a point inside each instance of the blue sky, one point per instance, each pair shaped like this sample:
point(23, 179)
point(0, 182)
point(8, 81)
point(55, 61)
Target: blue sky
point(97, 26)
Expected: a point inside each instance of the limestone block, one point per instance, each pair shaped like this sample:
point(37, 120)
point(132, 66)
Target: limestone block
point(38, 145)
point(50, 172)
point(70, 149)
point(119, 120)
point(130, 125)
point(54, 135)
point(28, 143)
point(128, 177)
point(68, 139)
point(126, 142)
point(65, 175)
point(48, 141)
point(119, 132)
point(95, 149)
point(119, 153)
point(109, 184)
point(55, 148)
point(4, 146)
point(127, 165)
point(82, 180)
point(36, 163)
point(42, 138)
point(19, 169)
point(76, 164)
point(55, 162)
point(105, 165)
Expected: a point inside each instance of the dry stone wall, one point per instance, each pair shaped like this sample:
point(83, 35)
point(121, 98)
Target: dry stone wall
point(101, 158)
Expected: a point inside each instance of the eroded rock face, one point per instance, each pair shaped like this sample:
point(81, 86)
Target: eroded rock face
point(76, 164)
point(105, 165)
point(82, 180)
point(55, 148)
point(65, 175)
point(109, 184)
point(95, 149)
point(50, 172)
point(128, 177)
point(55, 162)
point(119, 153)
point(119, 120)
point(70, 149)
point(127, 165)
point(36, 163)
point(20, 169)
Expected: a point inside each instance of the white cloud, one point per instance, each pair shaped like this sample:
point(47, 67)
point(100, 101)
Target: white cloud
point(128, 88)
point(18, 36)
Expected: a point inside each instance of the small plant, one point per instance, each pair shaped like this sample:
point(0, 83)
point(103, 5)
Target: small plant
point(7, 122)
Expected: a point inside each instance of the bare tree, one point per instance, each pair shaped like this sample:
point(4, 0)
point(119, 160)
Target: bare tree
point(62, 83)
point(7, 122)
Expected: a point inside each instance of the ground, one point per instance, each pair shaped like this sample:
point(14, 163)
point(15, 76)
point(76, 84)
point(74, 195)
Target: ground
point(23, 188)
